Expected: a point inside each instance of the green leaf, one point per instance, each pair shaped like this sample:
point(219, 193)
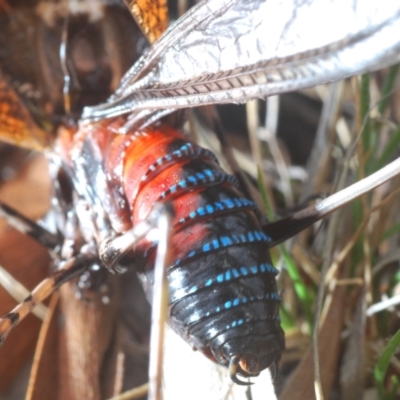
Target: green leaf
point(383, 364)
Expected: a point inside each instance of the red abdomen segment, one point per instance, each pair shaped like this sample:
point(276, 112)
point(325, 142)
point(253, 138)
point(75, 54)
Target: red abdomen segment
point(223, 294)
point(164, 165)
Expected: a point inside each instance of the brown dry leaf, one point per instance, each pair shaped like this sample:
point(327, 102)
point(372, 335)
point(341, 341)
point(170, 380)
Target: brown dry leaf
point(353, 368)
point(87, 352)
point(300, 385)
point(29, 193)
point(26, 260)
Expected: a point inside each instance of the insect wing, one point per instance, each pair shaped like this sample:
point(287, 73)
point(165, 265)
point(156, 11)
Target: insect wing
point(151, 16)
point(231, 51)
point(16, 124)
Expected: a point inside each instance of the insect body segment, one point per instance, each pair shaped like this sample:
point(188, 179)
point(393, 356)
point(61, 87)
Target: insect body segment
point(223, 293)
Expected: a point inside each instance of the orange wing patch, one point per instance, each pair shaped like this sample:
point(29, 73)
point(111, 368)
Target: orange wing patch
point(16, 124)
point(151, 16)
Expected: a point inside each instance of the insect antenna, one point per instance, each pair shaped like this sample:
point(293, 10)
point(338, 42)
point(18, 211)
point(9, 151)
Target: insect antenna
point(74, 267)
point(28, 227)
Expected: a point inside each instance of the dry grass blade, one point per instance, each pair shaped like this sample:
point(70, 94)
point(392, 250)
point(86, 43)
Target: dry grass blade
point(43, 382)
point(160, 305)
point(301, 384)
point(255, 144)
point(19, 292)
point(353, 368)
point(383, 305)
point(132, 394)
point(320, 158)
point(209, 116)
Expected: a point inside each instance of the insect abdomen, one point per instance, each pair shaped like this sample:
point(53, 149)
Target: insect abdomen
point(222, 284)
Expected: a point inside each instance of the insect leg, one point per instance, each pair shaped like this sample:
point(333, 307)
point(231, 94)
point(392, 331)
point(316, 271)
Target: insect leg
point(69, 270)
point(29, 227)
point(111, 250)
point(287, 227)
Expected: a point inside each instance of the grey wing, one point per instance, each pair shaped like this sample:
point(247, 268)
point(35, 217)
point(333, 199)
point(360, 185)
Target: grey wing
point(229, 51)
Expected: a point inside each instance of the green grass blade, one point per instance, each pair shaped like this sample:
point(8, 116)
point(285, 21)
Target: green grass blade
point(383, 364)
point(390, 148)
point(305, 295)
point(267, 206)
point(393, 230)
point(388, 86)
point(287, 321)
point(365, 101)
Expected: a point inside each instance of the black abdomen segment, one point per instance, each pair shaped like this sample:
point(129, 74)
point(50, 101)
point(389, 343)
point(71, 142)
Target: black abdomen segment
point(225, 292)
point(222, 290)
